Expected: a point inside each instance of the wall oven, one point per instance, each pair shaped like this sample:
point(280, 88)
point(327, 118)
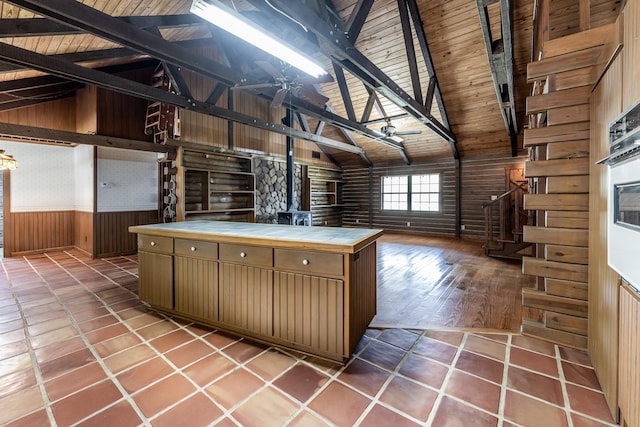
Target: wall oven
point(623, 239)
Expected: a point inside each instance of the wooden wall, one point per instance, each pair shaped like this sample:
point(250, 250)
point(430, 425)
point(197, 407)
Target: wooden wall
point(631, 54)
point(482, 177)
point(83, 231)
point(606, 104)
point(58, 115)
point(35, 231)
point(112, 235)
point(560, 165)
point(629, 359)
point(362, 199)
point(208, 130)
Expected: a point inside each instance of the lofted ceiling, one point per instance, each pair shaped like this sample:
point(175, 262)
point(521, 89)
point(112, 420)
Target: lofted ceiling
point(424, 63)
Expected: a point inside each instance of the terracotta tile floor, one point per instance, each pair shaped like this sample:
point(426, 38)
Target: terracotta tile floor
point(77, 348)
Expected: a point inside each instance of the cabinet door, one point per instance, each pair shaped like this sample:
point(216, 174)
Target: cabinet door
point(196, 287)
point(309, 311)
point(246, 298)
point(155, 285)
point(629, 357)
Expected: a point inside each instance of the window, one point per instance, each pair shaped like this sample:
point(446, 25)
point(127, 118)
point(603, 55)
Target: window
point(425, 192)
point(417, 193)
point(395, 192)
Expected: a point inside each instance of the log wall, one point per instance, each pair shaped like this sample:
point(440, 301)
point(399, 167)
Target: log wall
point(481, 178)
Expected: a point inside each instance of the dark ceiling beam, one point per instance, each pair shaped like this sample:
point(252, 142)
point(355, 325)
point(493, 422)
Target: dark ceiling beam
point(32, 27)
point(216, 93)
point(500, 55)
point(366, 114)
point(31, 83)
point(91, 20)
point(426, 56)
point(74, 72)
point(36, 134)
point(304, 125)
point(173, 72)
point(357, 19)
point(337, 45)
point(410, 49)
point(344, 91)
point(385, 119)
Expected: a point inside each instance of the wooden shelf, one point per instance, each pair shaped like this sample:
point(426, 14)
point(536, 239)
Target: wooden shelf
point(215, 186)
point(324, 195)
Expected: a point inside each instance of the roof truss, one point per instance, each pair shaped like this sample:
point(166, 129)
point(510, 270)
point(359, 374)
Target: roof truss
point(500, 53)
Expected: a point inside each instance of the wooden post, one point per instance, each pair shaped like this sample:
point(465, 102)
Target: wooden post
point(585, 15)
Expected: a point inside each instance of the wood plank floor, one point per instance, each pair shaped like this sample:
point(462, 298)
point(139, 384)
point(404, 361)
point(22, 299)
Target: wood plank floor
point(427, 282)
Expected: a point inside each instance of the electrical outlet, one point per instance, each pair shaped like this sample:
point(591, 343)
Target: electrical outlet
point(408, 224)
point(463, 227)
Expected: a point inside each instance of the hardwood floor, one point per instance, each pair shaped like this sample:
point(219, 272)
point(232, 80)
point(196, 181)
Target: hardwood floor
point(427, 282)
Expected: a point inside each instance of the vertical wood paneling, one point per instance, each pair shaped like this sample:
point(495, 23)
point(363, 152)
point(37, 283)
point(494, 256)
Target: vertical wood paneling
point(120, 115)
point(37, 231)
point(196, 287)
point(360, 296)
point(59, 115)
point(308, 311)
point(155, 278)
point(603, 281)
point(631, 54)
point(246, 298)
point(83, 232)
point(629, 358)
point(112, 235)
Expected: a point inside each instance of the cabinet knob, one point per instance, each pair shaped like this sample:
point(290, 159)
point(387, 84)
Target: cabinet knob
point(305, 262)
point(153, 243)
point(193, 248)
point(243, 255)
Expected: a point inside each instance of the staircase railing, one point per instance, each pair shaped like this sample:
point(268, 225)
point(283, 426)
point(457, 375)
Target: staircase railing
point(510, 216)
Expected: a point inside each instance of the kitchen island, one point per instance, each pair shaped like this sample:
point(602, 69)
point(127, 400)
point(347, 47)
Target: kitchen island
point(312, 289)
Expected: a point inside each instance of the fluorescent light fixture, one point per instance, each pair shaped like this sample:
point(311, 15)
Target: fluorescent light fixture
point(231, 21)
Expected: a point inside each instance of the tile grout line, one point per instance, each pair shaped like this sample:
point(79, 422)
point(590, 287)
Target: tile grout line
point(35, 366)
point(176, 369)
point(88, 345)
point(503, 387)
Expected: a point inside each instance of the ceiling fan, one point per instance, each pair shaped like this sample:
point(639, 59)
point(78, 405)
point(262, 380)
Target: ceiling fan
point(300, 86)
point(389, 131)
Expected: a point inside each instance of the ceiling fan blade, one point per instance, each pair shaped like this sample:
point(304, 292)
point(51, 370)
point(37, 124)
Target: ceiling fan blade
point(309, 94)
point(278, 98)
point(395, 138)
point(409, 132)
point(269, 68)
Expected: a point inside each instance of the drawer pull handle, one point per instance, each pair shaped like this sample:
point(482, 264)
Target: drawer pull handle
point(193, 248)
point(243, 255)
point(153, 243)
point(305, 262)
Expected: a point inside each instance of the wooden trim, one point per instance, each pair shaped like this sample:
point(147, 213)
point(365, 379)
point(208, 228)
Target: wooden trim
point(554, 270)
point(560, 99)
point(570, 61)
point(559, 202)
point(557, 167)
point(558, 133)
point(6, 207)
point(558, 236)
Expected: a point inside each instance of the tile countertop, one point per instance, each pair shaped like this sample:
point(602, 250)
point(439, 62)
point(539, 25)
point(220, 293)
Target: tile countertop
point(330, 239)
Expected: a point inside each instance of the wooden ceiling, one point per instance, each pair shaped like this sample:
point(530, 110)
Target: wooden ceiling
point(452, 30)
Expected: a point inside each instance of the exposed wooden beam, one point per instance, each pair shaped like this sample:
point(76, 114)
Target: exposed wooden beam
point(304, 125)
point(89, 76)
point(357, 18)
point(426, 57)
point(410, 49)
point(338, 45)
point(36, 134)
point(31, 27)
point(500, 55)
point(344, 91)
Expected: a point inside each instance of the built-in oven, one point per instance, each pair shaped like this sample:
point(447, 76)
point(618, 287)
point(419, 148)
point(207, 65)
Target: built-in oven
point(623, 238)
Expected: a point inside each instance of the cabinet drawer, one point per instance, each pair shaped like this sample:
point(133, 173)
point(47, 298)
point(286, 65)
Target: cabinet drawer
point(162, 245)
point(309, 262)
point(196, 248)
point(243, 254)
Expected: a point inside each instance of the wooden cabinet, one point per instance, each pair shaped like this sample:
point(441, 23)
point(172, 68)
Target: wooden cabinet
point(215, 186)
point(629, 357)
point(255, 280)
point(155, 270)
point(246, 298)
point(309, 311)
point(323, 189)
point(196, 278)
